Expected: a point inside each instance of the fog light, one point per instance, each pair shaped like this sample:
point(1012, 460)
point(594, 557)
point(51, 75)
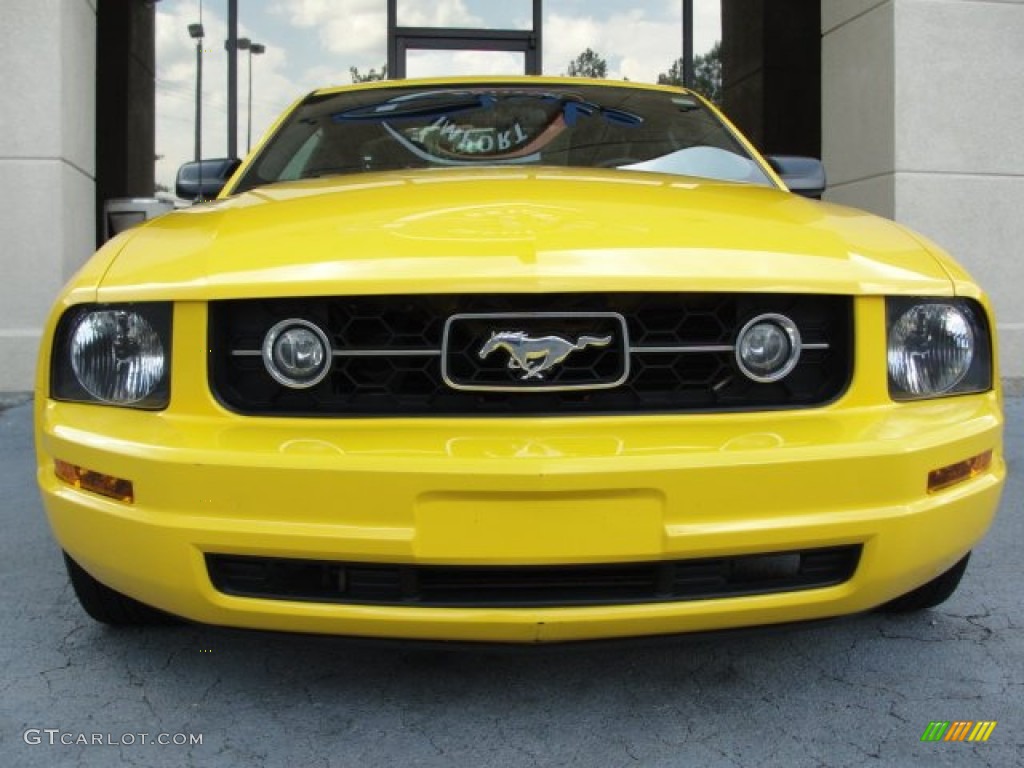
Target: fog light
point(938, 479)
point(768, 348)
point(297, 353)
point(105, 485)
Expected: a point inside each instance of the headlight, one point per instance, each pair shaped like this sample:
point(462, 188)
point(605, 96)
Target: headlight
point(117, 354)
point(937, 347)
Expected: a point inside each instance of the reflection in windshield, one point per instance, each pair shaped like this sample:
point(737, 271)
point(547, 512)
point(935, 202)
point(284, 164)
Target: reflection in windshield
point(444, 103)
point(512, 125)
point(702, 161)
point(583, 125)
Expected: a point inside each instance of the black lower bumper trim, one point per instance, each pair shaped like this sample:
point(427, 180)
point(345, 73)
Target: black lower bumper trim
point(530, 586)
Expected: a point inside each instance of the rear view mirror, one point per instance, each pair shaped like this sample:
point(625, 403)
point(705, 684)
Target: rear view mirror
point(803, 175)
point(203, 180)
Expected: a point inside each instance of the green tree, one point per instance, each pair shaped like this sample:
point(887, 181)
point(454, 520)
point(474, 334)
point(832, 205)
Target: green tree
point(588, 64)
point(707, 73)
point(373, 74)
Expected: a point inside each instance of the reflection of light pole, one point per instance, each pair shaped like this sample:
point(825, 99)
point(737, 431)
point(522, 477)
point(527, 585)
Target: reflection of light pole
point(195, 31)
point(254, 49)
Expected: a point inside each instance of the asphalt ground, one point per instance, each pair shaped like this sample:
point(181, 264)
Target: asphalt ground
point(855, 692)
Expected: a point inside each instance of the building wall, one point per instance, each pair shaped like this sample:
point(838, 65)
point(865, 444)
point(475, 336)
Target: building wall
point(770, 73)
point(47, 166)
point(921, 121)
point(125, 102)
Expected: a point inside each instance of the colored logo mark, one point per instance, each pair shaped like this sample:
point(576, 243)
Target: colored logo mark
point(958, 730)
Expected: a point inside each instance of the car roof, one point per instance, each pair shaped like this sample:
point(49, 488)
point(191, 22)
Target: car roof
point(496, 80)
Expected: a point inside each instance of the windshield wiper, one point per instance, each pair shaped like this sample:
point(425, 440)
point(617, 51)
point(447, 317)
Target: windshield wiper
point(572, 109)
point(410, 108)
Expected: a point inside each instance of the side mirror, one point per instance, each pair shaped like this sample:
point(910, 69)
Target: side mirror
point(203, 180)
point(803, 175)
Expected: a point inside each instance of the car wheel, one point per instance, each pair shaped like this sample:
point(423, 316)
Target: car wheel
point(109, 607)
point(936, 591)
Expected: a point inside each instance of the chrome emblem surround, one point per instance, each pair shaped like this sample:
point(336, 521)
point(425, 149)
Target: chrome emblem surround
point(531, 357)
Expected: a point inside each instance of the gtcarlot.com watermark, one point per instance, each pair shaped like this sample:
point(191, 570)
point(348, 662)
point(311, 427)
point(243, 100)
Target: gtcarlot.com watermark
point(56, 737)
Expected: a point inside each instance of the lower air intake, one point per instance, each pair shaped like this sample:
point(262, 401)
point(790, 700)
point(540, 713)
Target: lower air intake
point(524, 586)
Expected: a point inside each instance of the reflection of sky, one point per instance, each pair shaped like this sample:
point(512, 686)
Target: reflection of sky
point(312, 44)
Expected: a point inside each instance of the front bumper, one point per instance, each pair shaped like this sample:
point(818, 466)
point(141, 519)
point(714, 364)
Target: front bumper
point(520, 492)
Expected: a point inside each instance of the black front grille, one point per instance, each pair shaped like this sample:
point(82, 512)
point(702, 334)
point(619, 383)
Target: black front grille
point(522, 586)
point(388, 354)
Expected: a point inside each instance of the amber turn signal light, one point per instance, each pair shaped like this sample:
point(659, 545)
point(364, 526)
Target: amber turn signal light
point(87, 480)
point(939, 479)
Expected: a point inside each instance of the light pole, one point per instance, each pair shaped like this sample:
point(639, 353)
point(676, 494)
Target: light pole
point(231, 44)
point(254, 49)
point(195, 31)
point(687, 72)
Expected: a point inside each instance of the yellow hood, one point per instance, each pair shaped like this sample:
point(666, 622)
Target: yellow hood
point(516, 230)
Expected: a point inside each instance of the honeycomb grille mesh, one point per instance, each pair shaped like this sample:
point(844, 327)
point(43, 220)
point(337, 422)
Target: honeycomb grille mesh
point(388, 354)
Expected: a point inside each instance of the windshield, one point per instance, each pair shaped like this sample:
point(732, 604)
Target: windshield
point(585, 125)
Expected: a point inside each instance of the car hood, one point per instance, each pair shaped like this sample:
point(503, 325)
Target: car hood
point(516, 230)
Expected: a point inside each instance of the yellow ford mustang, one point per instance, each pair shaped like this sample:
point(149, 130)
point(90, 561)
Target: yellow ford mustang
point(515, 360)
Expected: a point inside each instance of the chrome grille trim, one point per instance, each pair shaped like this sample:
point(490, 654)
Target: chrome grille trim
point(681, 350)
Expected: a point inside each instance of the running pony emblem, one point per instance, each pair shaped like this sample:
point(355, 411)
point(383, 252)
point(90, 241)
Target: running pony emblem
point(535, 356)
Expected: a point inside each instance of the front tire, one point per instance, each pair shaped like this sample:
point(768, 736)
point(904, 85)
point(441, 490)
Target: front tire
point(936, 591)
point(109, 607)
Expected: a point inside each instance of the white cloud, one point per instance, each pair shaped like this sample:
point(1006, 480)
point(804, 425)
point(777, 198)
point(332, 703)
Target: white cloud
point(635, 43)
point(273, 89)
point(436, 13)
point(357, 27)
point(342, 26)
point(441, 63)
point(707, 22)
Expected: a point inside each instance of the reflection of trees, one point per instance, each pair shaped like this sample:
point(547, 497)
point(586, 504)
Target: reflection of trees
point(707, 74)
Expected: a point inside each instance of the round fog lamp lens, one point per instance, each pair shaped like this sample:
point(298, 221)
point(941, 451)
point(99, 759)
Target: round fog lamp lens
point(296, 353)
point(768, 348)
